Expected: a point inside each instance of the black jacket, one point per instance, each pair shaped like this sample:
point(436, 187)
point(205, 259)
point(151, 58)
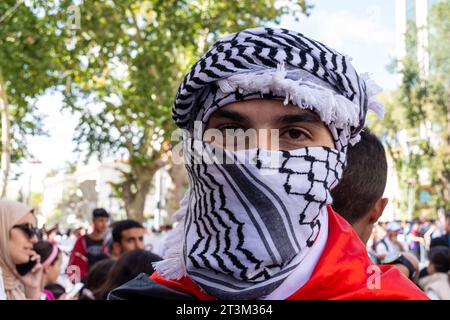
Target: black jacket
point(142, 287)
point(441, 241)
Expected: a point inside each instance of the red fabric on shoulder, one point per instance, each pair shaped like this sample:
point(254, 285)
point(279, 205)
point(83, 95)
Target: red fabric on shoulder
point(185, 285)
point(345, 271)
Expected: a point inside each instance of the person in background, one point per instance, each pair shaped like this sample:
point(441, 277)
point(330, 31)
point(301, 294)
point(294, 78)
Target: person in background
point(96, 278)
point(364, 210)
point(68, 241)
point(79, 232)
point(443, 240)
point(437, 283)
point(389, 244)
point(53, 234)
point(130, 265)
point(18, 234)
point(359, 198)
point(415, 239)
point(51, 259)
point(57, 290)
point(127, 235)
point(90, 248)
point(66, 245)
point(432, 232)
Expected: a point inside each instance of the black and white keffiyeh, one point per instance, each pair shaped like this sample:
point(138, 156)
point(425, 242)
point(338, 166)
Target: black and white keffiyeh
point(246, 226)
point(278, 64)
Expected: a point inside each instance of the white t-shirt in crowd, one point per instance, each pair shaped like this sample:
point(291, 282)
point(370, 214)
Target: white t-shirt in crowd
point(387, 249)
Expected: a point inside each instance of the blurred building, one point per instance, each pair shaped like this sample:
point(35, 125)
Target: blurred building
point(69, 198)
point(413, 13)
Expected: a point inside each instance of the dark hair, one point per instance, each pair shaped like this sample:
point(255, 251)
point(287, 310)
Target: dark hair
point(130, 265)
point(364, 178)
point(123, 225)
point(56, 289)
point(44, 250)
point(99, 213)
point(98, 274)
point(440, 258)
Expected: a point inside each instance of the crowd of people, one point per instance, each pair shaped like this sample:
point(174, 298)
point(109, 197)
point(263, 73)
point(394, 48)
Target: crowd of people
point(37, 264)
point(296, 222)
point(113, 254)
point(424, 243)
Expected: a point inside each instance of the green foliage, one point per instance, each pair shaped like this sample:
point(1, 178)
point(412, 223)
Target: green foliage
point(36, 200)
point(126, 64)
point(129, 58)
point(70, 167)
point(29, 45)
point(416, 127)
point(439, 43)
point(52, 173)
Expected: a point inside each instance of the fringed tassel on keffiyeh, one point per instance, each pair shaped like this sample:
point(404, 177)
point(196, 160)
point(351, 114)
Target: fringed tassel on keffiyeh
point(331, 107)
point(372, 104)
point(173, 267)
point(372, 91)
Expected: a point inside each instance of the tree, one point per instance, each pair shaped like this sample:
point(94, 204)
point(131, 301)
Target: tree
point(179, 177)
point(28, 67)
point(125, 66)
point(440, 99)
point(420, 111)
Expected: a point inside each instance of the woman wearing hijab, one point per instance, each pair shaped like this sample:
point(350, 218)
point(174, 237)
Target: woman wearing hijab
point(18, 234)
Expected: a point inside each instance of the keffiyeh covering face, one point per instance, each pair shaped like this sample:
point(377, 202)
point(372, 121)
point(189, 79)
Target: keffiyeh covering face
point(245, 227)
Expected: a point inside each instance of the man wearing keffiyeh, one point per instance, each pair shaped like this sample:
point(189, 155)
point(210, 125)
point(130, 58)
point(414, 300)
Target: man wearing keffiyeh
point(256, 222)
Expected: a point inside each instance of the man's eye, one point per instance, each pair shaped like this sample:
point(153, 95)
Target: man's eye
point(294, 134)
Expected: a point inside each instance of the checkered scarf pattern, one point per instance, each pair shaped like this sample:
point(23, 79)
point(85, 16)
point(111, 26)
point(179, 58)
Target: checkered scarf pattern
point(278, 64)
point(241, 232)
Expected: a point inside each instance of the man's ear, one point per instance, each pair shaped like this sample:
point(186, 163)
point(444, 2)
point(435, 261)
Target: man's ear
point(377, 210)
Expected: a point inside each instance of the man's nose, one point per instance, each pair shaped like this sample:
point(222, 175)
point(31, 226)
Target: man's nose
point(136, 244)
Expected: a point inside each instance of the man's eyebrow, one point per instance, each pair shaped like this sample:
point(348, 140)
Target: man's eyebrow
point(303, 117)
point(229, 114)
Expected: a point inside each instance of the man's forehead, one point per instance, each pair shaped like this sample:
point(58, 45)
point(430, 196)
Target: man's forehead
point(263, 110)
point(133, 231)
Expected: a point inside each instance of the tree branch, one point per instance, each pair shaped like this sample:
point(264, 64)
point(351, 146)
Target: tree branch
point(6, 151)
